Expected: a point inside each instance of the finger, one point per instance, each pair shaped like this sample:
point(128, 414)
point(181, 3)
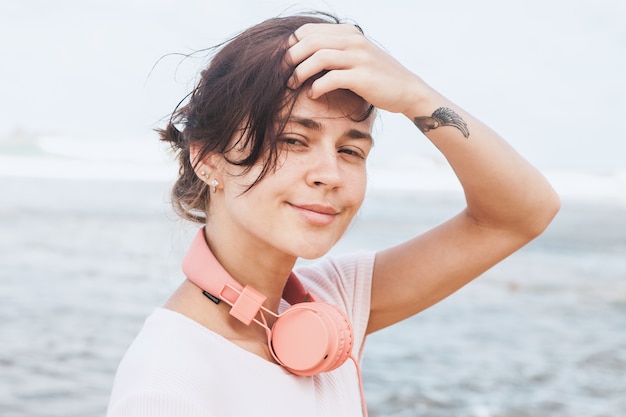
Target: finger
point(293, 39)
point(313, 43)
point(314, 36)
point(326, 59)
point(328, 28)
point(317, 53)
point(331, 81)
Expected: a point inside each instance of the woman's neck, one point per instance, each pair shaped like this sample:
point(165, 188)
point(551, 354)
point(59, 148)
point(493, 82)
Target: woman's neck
point(252, 263)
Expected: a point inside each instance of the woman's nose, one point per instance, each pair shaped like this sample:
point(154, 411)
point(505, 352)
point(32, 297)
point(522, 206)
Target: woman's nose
point(324, 169)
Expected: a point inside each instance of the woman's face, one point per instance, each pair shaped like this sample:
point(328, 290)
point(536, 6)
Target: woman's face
point(304, 206)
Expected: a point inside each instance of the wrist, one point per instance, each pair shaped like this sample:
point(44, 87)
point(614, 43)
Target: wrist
point(422, 100)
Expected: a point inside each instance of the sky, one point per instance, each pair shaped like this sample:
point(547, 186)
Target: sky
point(548, 75)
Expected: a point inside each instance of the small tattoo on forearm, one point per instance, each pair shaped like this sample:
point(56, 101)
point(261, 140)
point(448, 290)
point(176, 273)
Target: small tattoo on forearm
point(443, 116)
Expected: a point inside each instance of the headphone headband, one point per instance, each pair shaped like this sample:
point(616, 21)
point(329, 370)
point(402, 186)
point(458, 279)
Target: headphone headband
point(202, 268)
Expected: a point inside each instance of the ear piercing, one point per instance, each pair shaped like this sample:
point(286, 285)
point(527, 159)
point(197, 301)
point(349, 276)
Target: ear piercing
point(213, 183)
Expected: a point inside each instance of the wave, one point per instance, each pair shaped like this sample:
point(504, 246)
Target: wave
point(62, 157)
point(433, 174)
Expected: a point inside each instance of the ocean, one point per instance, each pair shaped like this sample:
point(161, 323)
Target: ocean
point(83, 262)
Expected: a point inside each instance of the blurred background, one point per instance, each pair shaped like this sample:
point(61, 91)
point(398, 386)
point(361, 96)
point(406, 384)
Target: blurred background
point(89, 246)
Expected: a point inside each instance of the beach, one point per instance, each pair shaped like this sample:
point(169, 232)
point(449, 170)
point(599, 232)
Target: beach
point(83, 262)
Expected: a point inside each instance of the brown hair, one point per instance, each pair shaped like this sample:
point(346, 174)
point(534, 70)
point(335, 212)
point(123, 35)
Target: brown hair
point(240, 93)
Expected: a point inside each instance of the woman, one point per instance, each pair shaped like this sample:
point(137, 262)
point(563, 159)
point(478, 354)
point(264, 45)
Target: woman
point(272, 149)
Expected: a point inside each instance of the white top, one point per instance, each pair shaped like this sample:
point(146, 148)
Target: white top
point(176, 367)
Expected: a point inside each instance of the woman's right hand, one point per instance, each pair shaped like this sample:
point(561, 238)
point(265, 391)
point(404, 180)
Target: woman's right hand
point(353, 62)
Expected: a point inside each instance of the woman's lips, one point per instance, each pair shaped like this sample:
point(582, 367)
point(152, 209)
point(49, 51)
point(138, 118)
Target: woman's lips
point(316, 214)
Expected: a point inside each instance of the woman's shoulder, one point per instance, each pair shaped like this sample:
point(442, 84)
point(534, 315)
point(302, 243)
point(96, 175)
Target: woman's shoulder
point(175, 357)
point(168, 343)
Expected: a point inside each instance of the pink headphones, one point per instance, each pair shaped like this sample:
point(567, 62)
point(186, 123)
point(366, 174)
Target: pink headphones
point(307, 339)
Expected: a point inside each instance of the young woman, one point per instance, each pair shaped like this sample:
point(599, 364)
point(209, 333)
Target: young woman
point(272, 146)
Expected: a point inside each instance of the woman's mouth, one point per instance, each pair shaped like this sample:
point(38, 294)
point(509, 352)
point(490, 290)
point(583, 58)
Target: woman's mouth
point(316, 214)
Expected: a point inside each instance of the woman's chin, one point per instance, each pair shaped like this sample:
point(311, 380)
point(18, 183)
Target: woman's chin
point(315, 252)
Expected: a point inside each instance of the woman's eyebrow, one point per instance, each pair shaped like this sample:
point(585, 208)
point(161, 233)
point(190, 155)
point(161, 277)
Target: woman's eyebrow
point(306, 122)
point(315, 125)
point(359, 134)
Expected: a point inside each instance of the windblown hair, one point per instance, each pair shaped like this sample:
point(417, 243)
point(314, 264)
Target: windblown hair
point(235, 105)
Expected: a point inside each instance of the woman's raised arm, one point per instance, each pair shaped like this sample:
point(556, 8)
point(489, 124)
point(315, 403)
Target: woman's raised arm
point(509, 202)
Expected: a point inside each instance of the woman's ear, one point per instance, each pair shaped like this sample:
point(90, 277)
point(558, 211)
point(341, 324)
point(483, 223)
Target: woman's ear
point(198, 164)
point(209, 167)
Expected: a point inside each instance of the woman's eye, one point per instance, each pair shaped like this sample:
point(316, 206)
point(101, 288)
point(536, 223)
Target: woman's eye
point(352, 152)
point(292, 141)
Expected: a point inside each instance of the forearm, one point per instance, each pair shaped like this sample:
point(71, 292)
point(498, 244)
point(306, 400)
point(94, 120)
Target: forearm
point(502, 189)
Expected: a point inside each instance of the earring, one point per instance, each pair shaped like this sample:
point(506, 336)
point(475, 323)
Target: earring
point(204, 174)
point(214, 185)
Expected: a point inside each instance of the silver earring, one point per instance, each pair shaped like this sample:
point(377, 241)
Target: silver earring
point(204, 174)
point(214, 185)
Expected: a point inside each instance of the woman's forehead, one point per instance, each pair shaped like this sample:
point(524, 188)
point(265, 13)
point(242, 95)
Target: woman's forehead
point(338, 104)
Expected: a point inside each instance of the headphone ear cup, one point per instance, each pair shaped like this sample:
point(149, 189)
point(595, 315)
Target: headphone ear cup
point(311, 338)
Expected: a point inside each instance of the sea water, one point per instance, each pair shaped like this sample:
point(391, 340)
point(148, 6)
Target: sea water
point(83, 262)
